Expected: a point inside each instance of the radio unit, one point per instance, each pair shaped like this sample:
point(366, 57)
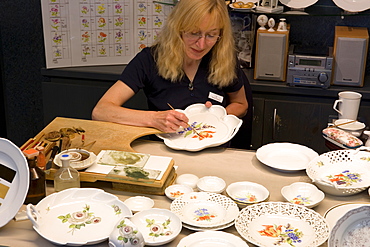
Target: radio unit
point(309, 70)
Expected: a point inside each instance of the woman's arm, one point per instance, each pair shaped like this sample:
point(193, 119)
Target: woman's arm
point(238, 105)
point(109, 108)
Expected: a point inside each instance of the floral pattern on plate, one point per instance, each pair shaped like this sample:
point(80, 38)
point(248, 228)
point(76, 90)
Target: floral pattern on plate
point(301, 200)
point(127, 234)
point(201, 128)
point(346, 178)
point(158, 229)
point(246, 198)
point(283, 234)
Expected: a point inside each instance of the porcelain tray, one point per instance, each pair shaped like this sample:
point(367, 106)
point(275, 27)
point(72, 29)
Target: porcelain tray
point(204, 209)
point(279, 223)
point(353, 5)
point(286, 156)
point(77, 216)
point(213, 124)
point(14, 180)
point(212, 238)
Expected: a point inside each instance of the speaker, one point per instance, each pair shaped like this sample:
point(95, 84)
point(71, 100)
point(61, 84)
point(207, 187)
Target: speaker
point(271, 55)
point(350, 52)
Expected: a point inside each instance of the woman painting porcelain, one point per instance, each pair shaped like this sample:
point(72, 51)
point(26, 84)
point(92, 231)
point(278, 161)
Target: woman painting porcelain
point(192, 61)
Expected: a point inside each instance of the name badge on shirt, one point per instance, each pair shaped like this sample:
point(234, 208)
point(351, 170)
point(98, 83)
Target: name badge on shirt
point(216, 97)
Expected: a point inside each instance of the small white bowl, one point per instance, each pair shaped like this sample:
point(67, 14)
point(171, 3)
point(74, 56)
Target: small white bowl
point(355, 128)
point(211, 184)
point(187, 179)
point(303, 194)
point(247, 193)
point(139, 203)
point(176, 190)
point(158, 226)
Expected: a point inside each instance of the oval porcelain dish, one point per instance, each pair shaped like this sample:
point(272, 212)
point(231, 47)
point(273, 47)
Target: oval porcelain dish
point(304, 194)
point(139, 203)
point(211, 184)
point(190, 180)
point(247, 193)
point(77, 216)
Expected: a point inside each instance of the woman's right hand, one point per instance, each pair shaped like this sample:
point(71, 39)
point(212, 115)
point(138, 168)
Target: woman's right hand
point(170, 121)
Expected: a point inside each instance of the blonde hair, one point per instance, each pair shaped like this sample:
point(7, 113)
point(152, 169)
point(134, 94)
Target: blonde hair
point(186, 17)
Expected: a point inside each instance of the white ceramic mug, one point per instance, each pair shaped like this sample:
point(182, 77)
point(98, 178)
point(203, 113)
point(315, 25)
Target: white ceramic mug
point(347, 105)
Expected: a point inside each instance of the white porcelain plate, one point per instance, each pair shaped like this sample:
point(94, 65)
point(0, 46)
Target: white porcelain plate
point(333, 214)
point(176, 190)
point(286, 156)
point(77, 216)
point(14, 180)
point(158, 226)
point(352, 229)
point(213, 124)
point(281, 224)
point(353, 5)
point(212, 238)
point(204, 209)
point(298, 4)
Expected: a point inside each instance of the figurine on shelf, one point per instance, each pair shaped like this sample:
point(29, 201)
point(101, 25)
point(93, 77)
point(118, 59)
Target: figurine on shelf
point(262, 21)
point(269, 3)
point(271, 24)
point(282, 25)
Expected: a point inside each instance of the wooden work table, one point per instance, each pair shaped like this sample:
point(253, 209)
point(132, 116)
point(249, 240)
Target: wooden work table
point(232, 165)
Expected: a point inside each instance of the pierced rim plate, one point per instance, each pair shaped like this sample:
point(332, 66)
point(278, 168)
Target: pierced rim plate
point(270, 223)
point(286, 156)
point(71, 216)
point(352, 229)
point(211, 238)
point(14, 180)
point(204, 209)
point(212, 123)
point(298, 4)
point(353, 5)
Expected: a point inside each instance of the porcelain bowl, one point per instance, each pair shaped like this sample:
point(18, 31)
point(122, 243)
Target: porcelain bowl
point(355, 128)
point(247, 193)
point(176, 190)
point(211, 184)
point(158, 226)
point(305, 194)
point(139, 203)
point(126, 234)
point(188, 179)
point(81, 158)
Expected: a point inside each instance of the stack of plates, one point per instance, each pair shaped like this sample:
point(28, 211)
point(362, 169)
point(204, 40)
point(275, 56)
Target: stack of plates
point(201, 211)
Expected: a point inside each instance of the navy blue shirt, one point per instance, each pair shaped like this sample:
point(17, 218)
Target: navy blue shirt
point(142, 73)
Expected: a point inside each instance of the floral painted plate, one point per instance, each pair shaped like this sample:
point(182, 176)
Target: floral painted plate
point(77, 216)
point(158, 226)
point(213, 125)
point(281, 224)
point(212, 238)
point(204, 209)
point(352, 229)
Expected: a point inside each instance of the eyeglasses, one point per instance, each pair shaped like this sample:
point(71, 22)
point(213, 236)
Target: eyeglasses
point(195, 36)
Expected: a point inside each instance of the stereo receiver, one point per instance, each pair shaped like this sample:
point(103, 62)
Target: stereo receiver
point(309, 70)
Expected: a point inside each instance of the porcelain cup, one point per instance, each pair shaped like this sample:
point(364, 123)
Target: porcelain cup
point(126, 234)
point(347, 105)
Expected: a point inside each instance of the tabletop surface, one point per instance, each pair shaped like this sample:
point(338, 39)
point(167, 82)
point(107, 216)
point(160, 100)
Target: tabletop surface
point(233, 165)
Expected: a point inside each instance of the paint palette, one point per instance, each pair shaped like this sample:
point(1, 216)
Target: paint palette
point(14, 180)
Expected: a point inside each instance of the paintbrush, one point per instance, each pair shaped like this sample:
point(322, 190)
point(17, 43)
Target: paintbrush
point(186, 123)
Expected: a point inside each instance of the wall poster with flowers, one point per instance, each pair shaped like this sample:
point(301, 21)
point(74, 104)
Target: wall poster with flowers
point(99, 32)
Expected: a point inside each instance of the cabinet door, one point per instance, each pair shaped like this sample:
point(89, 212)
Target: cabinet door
point(295, 122)
point(257, 125)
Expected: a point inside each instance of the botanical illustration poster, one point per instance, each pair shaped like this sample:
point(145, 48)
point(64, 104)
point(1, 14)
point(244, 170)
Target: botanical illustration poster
point(92, 32)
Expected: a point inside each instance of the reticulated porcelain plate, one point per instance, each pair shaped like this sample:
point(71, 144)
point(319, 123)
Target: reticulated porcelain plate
point(212, 238)
point(77, 216)
point(286, 156)
point(333, 214)
point(213, 125)
point(14, 180)
point(298, 4)
point(204, 209)
point(353, 5)
point(352, 229)
point(281, 224)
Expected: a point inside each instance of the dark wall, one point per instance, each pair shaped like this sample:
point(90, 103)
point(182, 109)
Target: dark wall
point(23, 57)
